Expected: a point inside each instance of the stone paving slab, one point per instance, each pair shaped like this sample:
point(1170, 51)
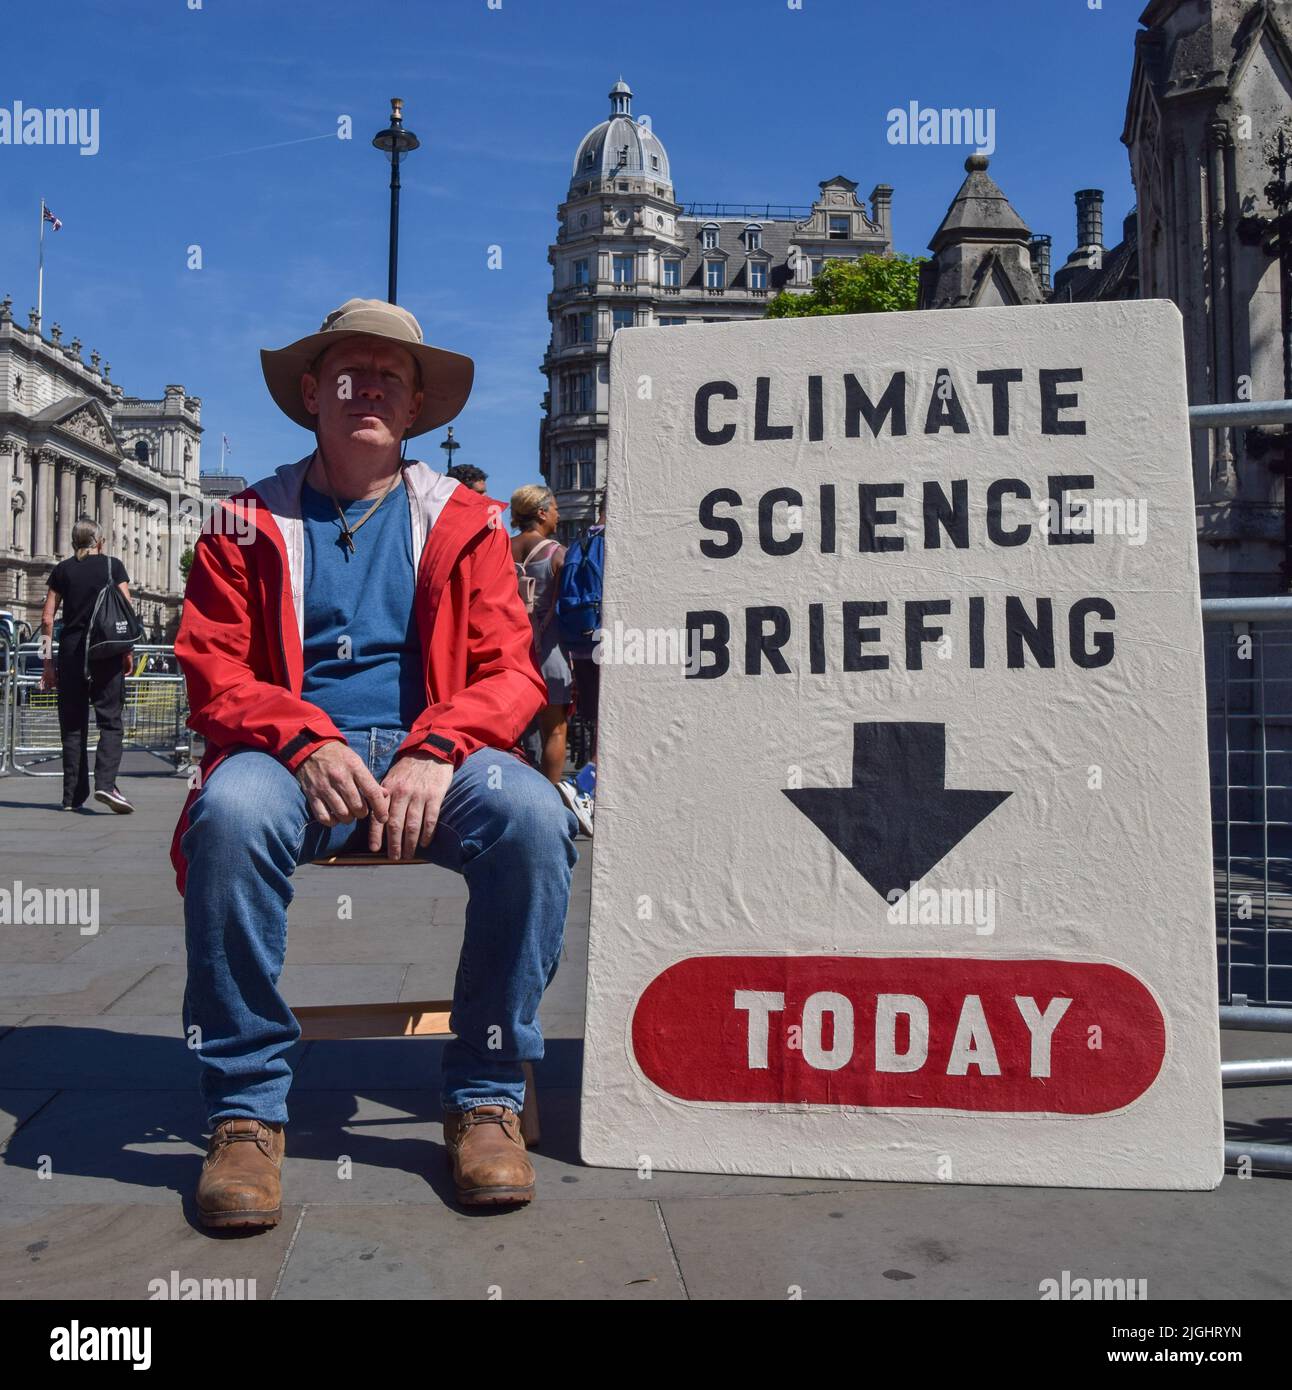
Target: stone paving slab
point(62, 988)
point(161, 990)
point(142, 895)
point(376, 911)
point(377, 887)
point(568, 992)
point(892, 1241)
point(449, 912)
point(368, 942)
point(433, 978)
point(35, 846)
point(578, 1250)
point(114, 1250)
point(134, 944)
point(30, 944)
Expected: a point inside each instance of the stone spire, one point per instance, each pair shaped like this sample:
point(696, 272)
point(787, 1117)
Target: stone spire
point(982, 250)
point(979, 212)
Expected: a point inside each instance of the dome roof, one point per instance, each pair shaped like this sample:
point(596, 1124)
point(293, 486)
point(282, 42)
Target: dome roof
point(620, 138)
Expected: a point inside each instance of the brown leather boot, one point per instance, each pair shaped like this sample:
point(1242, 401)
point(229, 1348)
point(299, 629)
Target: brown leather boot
point(241, 1183)
point(490, 1165)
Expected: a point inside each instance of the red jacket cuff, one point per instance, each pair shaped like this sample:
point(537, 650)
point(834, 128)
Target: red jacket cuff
point(293, 754)
point(438, 746)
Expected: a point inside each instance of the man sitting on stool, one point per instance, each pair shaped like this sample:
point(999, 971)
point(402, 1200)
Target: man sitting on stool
point(359, 662)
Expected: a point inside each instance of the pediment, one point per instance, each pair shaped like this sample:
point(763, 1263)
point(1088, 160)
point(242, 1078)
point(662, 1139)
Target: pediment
point(90, 423)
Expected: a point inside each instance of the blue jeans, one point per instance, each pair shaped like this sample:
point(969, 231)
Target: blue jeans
point(502, 825)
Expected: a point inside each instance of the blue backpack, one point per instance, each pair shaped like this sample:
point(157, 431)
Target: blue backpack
point(578, 605)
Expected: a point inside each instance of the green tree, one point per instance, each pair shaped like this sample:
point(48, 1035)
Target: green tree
point(866, 285)
point(186, 562)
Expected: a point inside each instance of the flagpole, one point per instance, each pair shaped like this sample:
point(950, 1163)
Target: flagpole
point(40, 274)
point(222, 443)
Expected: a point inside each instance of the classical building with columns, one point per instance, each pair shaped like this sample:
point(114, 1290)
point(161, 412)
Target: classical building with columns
point(627, 254)
point(72, 444)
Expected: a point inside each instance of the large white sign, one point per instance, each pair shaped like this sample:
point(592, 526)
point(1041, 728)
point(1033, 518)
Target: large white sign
point(902, 866)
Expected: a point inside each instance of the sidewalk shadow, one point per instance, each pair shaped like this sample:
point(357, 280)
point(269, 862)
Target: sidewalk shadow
point(120, 1092)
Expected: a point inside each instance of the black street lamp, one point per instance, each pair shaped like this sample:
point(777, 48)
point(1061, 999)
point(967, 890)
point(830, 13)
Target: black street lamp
point(396, 142)
point(450, 446)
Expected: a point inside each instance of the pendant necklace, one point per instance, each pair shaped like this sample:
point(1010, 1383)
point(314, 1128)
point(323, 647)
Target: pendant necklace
point(347, 531)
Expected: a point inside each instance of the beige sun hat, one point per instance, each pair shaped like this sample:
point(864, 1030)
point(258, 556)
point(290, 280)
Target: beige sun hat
point(446, 376)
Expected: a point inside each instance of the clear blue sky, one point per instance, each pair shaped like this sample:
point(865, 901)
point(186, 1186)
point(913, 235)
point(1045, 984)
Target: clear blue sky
point(754, 102)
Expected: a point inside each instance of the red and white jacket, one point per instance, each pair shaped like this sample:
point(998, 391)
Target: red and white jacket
point(241, 638)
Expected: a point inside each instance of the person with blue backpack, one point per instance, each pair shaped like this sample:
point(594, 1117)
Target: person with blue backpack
point(578, 623)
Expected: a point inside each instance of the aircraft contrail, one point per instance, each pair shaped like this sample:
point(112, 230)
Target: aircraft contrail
point(277, 145)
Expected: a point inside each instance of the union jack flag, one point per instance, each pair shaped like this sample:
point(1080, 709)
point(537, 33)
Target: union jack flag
point(49, 217)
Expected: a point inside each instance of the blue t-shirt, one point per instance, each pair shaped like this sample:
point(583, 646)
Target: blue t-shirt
point(363, 656)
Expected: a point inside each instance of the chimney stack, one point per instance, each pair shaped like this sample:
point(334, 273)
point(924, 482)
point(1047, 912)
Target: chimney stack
point(1090, 217)
point(1040, 249)
point(881, 198)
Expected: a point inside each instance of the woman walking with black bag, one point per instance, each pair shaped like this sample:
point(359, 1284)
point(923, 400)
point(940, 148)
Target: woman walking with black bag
point(78, 583)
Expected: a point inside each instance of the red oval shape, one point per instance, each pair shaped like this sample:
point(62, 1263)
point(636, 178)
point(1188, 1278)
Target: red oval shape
point(693, 1039)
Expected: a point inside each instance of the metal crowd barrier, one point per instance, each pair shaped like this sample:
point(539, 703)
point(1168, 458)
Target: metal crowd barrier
point(154, 712)
point(1248, 647)
point(1249, 719)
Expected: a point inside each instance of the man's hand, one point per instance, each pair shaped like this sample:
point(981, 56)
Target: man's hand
point(48, 676)
point(338, 786)
point(416, 784)
point(127, 662)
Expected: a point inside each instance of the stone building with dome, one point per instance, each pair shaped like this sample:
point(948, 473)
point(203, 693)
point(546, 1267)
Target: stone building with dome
point(628, 254)
point(72, 444)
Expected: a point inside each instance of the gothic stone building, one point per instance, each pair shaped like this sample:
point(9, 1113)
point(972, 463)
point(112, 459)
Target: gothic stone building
point(628, 254)
point(1211, 85)
point(72, 444)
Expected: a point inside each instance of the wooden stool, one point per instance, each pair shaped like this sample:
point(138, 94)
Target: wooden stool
point(411, 1019)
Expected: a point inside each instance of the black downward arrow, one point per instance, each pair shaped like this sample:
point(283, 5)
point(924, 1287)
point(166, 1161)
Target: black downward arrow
point(899, 818)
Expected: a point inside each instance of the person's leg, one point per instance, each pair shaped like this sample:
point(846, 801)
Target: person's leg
point(553, 725)
point(531, 742)
point(248, 829)
point(107, 690)
point(587, 677)
point(504, 827)
point(74, 730)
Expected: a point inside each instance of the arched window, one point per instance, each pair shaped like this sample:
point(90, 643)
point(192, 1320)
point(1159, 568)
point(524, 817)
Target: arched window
point(141, 450)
